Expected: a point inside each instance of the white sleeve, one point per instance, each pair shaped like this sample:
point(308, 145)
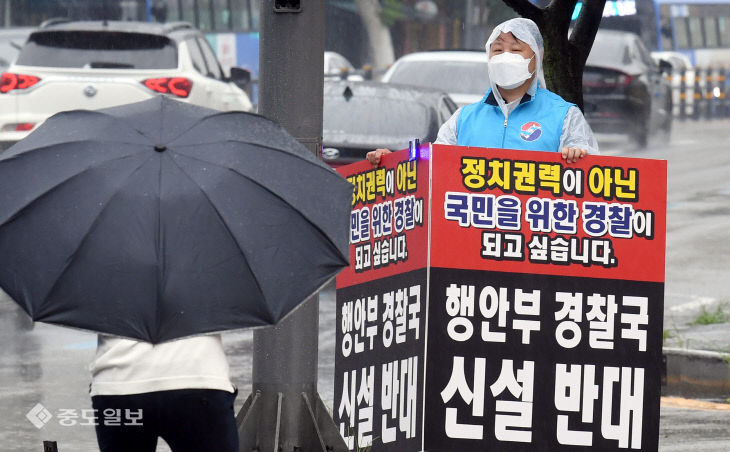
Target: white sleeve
point(576, 132)
point(447, 132)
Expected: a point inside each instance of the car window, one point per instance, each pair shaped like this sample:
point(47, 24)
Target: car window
point(643, 53)
point(196, 56)
point(338, 63)
point(91, 49)
point(365, 115)
point(447, 107)
point(447, 76)
point(609, 51)
point(214, 69)
point(332, 64)
point(632, 52)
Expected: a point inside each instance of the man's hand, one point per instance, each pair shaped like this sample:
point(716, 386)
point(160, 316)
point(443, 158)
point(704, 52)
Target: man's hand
point(572, 155)
point(374, 156)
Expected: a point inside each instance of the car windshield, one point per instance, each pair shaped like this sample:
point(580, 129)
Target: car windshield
point(374, 118)
point(465, 77)
point(607, 51)
point(90, 49)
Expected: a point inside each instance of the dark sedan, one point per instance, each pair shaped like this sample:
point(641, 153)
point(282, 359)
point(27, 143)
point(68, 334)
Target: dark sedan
point(624, 90)
point(362, 116)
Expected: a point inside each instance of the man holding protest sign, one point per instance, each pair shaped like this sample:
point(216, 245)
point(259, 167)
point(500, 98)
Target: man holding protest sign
point(533, 118)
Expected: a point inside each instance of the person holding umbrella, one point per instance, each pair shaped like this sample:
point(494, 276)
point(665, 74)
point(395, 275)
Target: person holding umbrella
point(517, 112)
point(179, 391)
point(158, 225)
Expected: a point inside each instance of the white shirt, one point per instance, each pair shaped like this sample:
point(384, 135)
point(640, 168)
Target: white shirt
point(125, 366)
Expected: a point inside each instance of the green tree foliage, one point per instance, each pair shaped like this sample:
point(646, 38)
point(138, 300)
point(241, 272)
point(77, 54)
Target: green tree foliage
point(392, 11)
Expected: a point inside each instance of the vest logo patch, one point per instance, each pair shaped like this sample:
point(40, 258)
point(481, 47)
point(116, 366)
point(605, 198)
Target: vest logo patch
point(530, 131)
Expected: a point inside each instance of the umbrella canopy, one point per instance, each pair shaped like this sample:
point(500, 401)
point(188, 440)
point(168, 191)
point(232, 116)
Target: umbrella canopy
point(160, 219)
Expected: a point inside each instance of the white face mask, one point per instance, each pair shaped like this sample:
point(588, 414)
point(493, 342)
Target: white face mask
point(509, 70)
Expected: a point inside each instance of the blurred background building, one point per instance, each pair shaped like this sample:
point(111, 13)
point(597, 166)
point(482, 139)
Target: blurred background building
point(232, 25)
point(698, 29)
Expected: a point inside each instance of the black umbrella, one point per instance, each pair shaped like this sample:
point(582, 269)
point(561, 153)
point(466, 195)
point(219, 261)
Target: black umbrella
point(159, 219)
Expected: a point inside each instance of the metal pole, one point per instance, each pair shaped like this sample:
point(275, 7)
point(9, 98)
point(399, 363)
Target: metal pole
point(6, 13)
point(196, 14)
point(229, 22)
point(468, 25)
point(284, 412)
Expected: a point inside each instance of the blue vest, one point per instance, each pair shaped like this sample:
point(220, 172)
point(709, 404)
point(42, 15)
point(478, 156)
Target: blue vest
point(536, 124)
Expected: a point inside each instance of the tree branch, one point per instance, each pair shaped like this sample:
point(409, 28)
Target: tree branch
point(558, 14)
point(526, 9)
point(586, 26)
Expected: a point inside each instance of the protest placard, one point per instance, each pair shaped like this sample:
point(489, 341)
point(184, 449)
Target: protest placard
point(502, 300)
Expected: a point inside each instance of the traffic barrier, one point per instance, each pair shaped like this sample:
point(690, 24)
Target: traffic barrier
point(681, 95)
point(692, 93)
point(701, 92)
point(712, 92)
point(717, 93)
point(698, 96)
point(725, 94)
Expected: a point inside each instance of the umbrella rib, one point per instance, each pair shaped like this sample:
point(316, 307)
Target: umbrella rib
point(10, 156)
point(40, 196)
point(70, 259)
point(160, 250)
point(228, 230)
point(51, 146)
point(221, 113)
point(207, 162)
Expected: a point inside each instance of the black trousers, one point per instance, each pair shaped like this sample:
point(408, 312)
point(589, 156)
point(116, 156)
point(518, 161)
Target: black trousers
point(189, 420)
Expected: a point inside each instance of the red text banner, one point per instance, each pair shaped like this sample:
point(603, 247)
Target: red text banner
point(530, 212)
point(388, 223)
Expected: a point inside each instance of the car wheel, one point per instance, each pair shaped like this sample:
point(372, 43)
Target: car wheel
point(667, 126)
point(641, 133)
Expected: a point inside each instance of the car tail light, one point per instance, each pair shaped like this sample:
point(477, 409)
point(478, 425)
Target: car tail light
point(177, 86)
point(10, 81)
point(18, 127)
point(621, 79)
point(600, 80)
point(24, 127)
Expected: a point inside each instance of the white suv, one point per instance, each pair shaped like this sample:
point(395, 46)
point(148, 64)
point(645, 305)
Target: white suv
point(462, 74)
point(91, 65)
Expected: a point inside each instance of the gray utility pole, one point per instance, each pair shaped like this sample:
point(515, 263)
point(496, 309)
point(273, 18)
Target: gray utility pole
point(284, 411)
